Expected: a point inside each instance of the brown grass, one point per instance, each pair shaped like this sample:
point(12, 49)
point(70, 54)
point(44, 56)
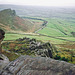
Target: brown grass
point(69, 46)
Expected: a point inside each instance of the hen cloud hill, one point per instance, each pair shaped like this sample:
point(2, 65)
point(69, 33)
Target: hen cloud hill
point(28, 65)
point(9, 21)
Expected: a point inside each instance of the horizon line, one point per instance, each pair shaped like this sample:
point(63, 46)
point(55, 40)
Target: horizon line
point(37, 5)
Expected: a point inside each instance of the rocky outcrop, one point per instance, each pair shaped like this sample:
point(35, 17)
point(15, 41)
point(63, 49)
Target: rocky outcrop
point(44, 50)
point(7, 16)
point(1, 38)
point(3, 59)
point(1, 34)
point(73, 33)
point(27, 65)
point(29, 46)
point(39, 48)
point(9, 21)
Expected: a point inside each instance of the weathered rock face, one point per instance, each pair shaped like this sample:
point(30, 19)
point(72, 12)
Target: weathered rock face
point(1, 38)
point(39, 48)
point(3, 59)
point(27, 65)
point(1, 34)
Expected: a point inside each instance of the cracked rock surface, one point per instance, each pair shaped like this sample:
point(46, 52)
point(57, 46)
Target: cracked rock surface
point(27, 65)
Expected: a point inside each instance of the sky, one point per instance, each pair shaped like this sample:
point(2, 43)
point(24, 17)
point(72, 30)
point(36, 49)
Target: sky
point(40, 2)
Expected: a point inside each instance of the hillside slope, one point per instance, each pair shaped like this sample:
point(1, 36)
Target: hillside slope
point(28, 65)
point(9, 21)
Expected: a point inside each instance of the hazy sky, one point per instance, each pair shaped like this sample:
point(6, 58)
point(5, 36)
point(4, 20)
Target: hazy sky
point(40, 2)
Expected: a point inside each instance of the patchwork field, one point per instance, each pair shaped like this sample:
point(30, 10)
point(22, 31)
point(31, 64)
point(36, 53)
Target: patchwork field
point(58, 27)
point(50, 24)
point(58, 33)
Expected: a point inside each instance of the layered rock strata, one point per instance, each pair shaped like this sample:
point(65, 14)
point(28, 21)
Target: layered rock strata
point(27, 65)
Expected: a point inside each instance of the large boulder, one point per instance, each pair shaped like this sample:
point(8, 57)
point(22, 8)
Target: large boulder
point(1, 34)
point(1, 38)
point(3, 59)
point(27, 65)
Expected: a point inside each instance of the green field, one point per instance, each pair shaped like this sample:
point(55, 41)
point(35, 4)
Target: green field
point(57, 31)
point(39, 37)
point(10, 37)
point(58, 27)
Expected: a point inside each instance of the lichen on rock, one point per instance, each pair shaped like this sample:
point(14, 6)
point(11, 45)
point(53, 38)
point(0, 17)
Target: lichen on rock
point(28, 65)
point(3, 61)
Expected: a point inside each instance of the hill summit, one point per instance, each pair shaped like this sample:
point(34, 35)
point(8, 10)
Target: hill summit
point(9, 21)
point(7, 16)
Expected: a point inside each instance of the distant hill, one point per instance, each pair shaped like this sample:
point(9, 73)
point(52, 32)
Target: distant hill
point(9, 21)
point(61, 20)
point(42, 11)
